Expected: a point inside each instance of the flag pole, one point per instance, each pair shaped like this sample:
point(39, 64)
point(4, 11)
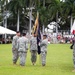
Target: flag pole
point(37, 35)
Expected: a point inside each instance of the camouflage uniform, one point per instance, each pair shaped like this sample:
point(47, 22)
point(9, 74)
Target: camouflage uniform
point(14, 49)
point(22, 46)
point(33, 49)
point(74, 55)
point(73, 47)
point(43, 46)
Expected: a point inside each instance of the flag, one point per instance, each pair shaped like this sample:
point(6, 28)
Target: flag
point(36, 29)
point(73, 28)
point(39, 40)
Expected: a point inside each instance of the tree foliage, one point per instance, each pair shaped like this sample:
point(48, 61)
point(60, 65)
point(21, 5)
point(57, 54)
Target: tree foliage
point(49, 10)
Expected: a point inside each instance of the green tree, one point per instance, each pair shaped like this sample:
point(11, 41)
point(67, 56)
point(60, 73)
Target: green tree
point(69, 10)
point(40, 6)
point(0, 13)
point(17, 6)
point(55, 9)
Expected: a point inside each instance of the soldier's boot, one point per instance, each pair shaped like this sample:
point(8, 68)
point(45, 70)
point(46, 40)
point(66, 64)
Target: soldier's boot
point(14, 62)
point(73, 70)
point(33, 63)
point(22, 65)
point(43, 64)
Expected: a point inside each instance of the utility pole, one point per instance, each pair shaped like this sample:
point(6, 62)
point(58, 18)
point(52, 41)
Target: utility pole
point(30, 16)
point(5, 19)
point(57, 23)
point(43, 27)
point(18, 21)
point(5, 16)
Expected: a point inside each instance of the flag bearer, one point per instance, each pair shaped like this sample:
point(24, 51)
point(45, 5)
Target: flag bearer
point(33, 48)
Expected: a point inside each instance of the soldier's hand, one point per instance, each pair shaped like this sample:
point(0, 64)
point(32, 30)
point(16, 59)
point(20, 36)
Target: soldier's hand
point(13, 49)
point(26, 51)
point(71, 47)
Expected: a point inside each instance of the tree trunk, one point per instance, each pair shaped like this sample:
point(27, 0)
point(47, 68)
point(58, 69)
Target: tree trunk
point(57, 23)
point(5, 24)
point(18, 21)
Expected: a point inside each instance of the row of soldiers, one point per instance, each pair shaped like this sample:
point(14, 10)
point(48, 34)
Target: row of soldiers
point(20, 48)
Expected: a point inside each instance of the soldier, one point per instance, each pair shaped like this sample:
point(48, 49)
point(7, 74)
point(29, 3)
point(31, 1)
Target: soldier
point(33, 48)
point(14, 49)
point(22, 46)
point(73, 47)
point(43, 46)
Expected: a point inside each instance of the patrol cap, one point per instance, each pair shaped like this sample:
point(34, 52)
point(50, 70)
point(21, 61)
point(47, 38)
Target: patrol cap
point(17, 31)
point(45, 35)
point(24, 34)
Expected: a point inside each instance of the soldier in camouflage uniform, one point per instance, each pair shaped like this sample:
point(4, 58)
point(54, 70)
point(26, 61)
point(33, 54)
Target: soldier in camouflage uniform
point(22, 46)
point(73, 47)
point(14, 45)
point(33, 48)
point(43, 46)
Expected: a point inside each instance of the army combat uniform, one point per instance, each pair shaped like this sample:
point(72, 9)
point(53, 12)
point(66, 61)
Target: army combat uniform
point(43, 46)
point(33, 49)
point(74, 54)
point(73, 47)
point(14, 49)
point(22, 46)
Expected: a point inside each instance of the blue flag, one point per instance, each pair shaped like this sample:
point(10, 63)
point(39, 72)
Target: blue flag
point(36, 29)
point(39, 40)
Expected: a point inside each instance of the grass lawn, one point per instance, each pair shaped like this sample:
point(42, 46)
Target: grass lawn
point(59, 62)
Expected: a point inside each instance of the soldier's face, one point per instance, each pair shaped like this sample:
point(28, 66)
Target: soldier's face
point(44, 37)
point(18, 34)
point(32, 34)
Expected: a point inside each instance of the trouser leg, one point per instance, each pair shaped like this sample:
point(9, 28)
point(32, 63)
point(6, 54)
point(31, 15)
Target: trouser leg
point(15, 56)
point(22, 56)
point(74, 58)
point(33, 56)
point(43, 58)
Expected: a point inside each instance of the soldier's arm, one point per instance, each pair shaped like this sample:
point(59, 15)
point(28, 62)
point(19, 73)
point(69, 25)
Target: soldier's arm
point(26, 44)
point(42, 43)
point(17, 46)
point(13, 43)
point(30, 42)
point(71, 47)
